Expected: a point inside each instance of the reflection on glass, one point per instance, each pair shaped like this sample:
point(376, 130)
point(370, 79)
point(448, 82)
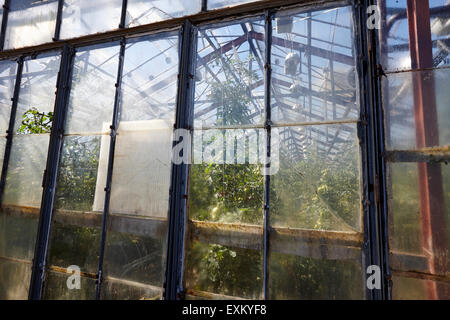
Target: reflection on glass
point(30, 22)
point(142, 12)
point(83, 17)
point(313, 67)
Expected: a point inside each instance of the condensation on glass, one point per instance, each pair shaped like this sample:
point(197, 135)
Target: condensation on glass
point(30, 22)
point(22, 195)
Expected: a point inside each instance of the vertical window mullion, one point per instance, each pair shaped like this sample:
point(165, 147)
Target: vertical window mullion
point(178, 189)
point(4, 23)
point(50, 174)
point(266, 163)
point(123, 16)
point(10, 131)
point(113, 134)
point(58, 20)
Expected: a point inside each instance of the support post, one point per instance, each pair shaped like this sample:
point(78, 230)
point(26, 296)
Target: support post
point(432, 205)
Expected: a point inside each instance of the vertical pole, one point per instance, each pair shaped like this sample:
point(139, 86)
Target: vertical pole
point(173, 286)
point(204, 5)
point(371, 138)
point(50, 174)
point(112, 144)
point(12, 120)
point(4, 23)
point(432, 205)
point(268, 127)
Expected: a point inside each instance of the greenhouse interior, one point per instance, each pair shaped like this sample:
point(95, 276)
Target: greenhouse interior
point(224, 149)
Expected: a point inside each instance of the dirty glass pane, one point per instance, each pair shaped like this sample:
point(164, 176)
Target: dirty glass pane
point(296, 277)
point(56, 287)
point(313, 66)
point(230, 75)
point(216, 4)
point(419, 289)
point(7, 81)
point(83, 17)
point(400, 108)
point(14, 279)
point(136, 238)
point(127, 290)
point(408, 225)
point(92, 93)
point(317, 185)
point(394, 35)
point(30, 22)
point(142, 12)
point(225, 271)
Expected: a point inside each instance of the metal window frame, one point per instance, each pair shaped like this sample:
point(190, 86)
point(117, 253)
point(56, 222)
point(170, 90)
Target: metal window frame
point(370, 130)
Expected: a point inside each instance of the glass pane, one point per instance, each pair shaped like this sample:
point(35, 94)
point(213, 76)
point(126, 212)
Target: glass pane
point(318, 183)
point(416, 240)
point(37, 96)
point(142, 12)
point(230, 75)
point(295, 277)
point(79, 203)
point(394, 36)
point(419, 289)
point(139, 204)
point(8, 71)
point(401, 108)
point(14, 279)
point(75, 235)
point(128, 290)
point(83, 17)
point(226, 271)
point(93, 87)
point(56, 288)
point(26, 167)
point(215, 4)
point(30, 23)
point(313, 67)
